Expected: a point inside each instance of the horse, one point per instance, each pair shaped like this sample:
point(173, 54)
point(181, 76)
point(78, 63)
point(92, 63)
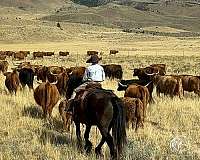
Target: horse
point(101, 108)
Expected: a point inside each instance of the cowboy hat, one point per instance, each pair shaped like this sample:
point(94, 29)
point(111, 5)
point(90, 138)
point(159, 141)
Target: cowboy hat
point(93, 59)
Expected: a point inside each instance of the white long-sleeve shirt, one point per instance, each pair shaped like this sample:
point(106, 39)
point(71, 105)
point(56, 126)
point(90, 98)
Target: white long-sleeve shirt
point(94, 73)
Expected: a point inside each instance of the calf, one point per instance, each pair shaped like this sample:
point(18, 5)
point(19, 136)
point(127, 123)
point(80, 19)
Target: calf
point(134, 111)
point(12, 81)
point(66, 117)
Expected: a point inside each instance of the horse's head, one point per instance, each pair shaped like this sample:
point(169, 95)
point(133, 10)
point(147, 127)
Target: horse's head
point(73, 82)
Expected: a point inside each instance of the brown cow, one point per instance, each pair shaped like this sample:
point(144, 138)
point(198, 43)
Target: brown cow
point(146, 74)
point(191, 84)
point(89, 53)
point(53, 72)
point(41, 73)
point(2, 52)
point(48, 73)
point(9, 53)
point(12, 81)
point(113, 52)
point(61, 53)
point(48, 53)
point(23, 64)
point(20, 55)
point(134, 111)
point(3, 66)
point(169, 85)
point(47, 96)
point(2, 57)
point(78, 71)
point(51, 77)
point(26, 53)
point(61, 84)
point(161, 67)
point(66, 117)
point(38, 55)
point(138, 91)
point(56, 69)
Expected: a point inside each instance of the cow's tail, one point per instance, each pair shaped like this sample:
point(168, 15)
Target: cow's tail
point(48, 93)
point(119, 124)
point(46, 98)
point(139, 113)
point(144, 100)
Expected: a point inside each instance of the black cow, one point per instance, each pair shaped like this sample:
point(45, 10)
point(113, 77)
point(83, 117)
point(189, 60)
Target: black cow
point(123, 85)
point(26, 77)
point(113, 71)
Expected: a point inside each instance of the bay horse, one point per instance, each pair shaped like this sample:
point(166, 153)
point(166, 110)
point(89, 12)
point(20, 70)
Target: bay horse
point(101, 108)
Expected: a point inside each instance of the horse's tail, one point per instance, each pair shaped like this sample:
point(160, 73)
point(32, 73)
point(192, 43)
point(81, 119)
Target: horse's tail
point(119, 123)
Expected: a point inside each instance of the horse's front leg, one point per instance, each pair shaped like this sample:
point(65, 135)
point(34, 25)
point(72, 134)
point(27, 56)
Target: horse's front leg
point(88, 144)
point(78, 135)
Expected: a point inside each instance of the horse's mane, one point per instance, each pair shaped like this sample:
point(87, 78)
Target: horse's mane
point(73, 82)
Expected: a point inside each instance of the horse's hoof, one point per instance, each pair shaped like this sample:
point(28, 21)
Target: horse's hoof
point(98, 152)
point(88, 147)
point(79, 146)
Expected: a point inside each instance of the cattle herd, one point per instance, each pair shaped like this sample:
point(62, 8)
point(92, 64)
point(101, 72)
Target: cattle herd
point(137, 96)
point(21, 55)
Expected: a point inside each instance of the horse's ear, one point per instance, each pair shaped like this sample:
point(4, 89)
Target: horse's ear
point(70, 73)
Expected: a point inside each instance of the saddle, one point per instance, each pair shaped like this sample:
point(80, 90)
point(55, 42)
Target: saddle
point(91, 88)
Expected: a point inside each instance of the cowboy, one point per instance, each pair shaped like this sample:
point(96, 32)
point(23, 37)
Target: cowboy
point(94, 73)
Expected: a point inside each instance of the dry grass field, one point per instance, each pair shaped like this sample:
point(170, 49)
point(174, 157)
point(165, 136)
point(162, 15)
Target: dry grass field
point(172, 126)
point(171, 129)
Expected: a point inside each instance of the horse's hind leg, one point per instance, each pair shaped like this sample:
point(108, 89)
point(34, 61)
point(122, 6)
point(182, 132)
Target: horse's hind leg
point(88, 144)
point(109, 140)
point(98, 148)
point(78, 134)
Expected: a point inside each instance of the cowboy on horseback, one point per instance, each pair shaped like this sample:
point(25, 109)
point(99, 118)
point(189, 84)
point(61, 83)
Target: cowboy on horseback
point(93, 74)
point(93, 106)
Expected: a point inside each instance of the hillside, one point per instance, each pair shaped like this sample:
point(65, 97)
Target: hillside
point(125, 14)
point(32, 4)
point(133, 14)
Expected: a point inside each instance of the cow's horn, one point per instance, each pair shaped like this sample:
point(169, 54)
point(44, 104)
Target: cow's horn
point(39, 82)
point(123, 85)
point(54, 82)
point(148, 84)
point(53, 73)
point(151, 74)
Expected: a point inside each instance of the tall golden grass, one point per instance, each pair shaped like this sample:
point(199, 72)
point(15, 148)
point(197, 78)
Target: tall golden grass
point(171, 131)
